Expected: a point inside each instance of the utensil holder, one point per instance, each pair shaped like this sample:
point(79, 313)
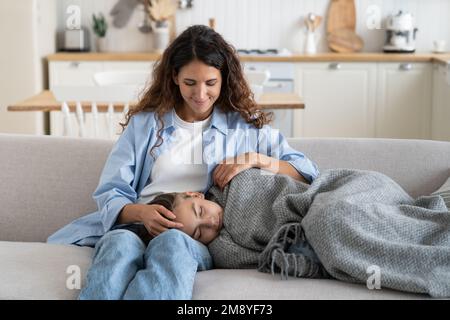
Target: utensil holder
point(310, 43)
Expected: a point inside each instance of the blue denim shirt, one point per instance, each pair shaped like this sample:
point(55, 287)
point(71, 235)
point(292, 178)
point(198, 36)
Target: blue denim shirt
point(129, 165)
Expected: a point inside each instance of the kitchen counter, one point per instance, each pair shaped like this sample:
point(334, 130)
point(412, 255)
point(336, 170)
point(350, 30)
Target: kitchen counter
point(341, 57)
point(46, 102)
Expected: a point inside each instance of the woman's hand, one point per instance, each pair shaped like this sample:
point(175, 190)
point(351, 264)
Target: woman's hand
point(156, 218)
point(224, 172)
point(230, 167)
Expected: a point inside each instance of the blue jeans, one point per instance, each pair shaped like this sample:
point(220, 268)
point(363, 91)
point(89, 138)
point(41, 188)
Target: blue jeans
point(124, 268)
point(303, 247)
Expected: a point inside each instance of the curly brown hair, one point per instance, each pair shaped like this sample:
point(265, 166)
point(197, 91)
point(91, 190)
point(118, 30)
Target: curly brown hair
point(204, 44)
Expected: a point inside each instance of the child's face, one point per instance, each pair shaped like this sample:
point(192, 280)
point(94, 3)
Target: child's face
point(202, 219)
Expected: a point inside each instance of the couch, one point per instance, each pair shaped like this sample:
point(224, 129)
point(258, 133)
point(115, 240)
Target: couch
point(46, 182)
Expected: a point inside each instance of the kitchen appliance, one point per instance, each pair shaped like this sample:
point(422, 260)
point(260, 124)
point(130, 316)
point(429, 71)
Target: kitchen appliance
point(400, 33)
point(76, 40)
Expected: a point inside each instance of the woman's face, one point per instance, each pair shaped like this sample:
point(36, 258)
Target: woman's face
point(200, 87)
point(202, 219)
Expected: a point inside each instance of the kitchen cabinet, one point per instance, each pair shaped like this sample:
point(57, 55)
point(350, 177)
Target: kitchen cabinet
point(81, 73)
point(339, 99)
point(342, 99)
point(68, 73)
point(440, 115)
point(403, 108)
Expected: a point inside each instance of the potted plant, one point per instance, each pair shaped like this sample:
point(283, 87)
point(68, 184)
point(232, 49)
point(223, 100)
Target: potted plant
point(160, 12)
point(100, 27)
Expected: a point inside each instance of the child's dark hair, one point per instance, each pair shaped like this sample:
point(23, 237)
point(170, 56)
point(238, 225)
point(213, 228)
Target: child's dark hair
point(168, 200)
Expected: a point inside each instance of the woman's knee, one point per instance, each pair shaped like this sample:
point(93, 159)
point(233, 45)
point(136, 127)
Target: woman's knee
point(174, 238)
point(120, 240)
point(176, 242)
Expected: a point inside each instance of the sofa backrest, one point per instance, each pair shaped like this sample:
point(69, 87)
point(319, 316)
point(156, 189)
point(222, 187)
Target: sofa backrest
point(46, 182)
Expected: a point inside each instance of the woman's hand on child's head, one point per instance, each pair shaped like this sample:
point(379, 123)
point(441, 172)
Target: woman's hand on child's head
point(157, 219)
point(227, 169)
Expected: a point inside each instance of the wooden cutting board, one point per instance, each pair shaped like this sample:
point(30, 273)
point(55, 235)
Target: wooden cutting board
point(344, 41)
point(341, 15)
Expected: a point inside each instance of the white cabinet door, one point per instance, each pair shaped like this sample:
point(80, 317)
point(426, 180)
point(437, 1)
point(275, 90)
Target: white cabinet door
point(82, 72)
point(339, 99)
point(128, 65)
point(146, 66)
point(67, 73)
point(404, 100)
point(440, 121)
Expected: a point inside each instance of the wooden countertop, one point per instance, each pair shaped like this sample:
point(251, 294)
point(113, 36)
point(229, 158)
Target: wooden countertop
point(342, 57)
point(46, 102)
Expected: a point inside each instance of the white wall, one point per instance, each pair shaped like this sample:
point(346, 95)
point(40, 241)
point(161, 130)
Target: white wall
point(27, 33)
point(276, 23)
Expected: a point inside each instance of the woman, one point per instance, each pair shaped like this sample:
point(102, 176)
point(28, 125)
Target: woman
point(199, 105)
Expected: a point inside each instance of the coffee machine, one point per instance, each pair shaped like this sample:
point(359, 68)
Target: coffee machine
point(400, 33)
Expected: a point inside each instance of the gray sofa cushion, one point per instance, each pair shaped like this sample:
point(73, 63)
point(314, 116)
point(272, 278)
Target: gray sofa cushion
point(30, 270)
point(39, 271)
point(250, 284)
point(48, 181)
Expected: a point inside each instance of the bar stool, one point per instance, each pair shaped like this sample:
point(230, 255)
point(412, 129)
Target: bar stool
point(82, 98)
point(111, 87)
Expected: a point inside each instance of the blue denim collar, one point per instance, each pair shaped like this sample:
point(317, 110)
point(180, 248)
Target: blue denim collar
point(219, 120)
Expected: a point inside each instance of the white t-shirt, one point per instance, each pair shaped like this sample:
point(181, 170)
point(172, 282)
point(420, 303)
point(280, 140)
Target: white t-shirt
point(179, 168)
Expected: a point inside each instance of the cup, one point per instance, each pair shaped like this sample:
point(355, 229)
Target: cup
point(439, 46)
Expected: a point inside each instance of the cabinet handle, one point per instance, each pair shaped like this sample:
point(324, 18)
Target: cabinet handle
point(335, 66)
point(405, 66)
point(74, 64)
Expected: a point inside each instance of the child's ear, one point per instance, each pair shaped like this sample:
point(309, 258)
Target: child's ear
point(195, 194)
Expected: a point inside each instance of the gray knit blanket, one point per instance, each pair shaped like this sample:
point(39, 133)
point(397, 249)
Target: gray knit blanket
point(361, 225)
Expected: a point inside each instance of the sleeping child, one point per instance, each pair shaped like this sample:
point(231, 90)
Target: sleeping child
point(343, 223)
